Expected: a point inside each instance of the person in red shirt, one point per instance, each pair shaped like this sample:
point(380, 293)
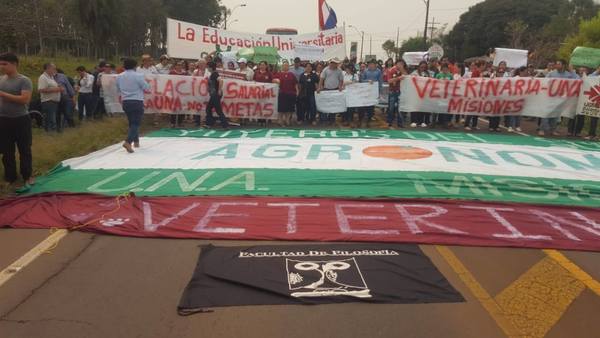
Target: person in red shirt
point(287, 94)
point(262, 74)
point(471, 120)
point(394, 76)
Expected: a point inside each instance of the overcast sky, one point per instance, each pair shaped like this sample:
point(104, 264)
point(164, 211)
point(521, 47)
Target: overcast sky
point(379, 18)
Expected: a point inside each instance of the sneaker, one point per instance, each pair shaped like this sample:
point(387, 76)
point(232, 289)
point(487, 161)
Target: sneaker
point(136, 144)
point(413, 125)
point(423, 125)
point(510, 129)
point(468, 128)
point(518, 129)
point(477, 128)
point(555, 133)
point(128, 147)
point(541, 133)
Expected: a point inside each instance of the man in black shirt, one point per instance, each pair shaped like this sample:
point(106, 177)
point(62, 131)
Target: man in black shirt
point(307, 85)
point(215, 89)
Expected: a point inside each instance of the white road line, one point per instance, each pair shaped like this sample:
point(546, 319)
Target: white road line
point(31, 255)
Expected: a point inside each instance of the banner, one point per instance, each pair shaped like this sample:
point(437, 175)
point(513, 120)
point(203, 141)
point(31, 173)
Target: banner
point(586, 57)
point(538, 97)
point(353, 95)
point(514, 58)
point(589, 101)
point(173, 94)
point(314, 274)
point(413, 58)
point(309, 53)
point(188, 41)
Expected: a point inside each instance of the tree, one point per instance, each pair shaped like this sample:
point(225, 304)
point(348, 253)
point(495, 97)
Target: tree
point(588, 36)
point(515, 30)
point(389, 47)
point(414, 44)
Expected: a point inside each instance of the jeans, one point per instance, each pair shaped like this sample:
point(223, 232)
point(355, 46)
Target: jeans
point(16, 131)
point(65, 107)
point(49, 109)
point(134, 111)
point(549, 124)
point(495, 122)
point(420, 117)
point(471, 121)
point(215, 102)
point(308, 108)
point(576, 125)
point(593, 126)
point(85, 101)
point(393, 109)
point(514, 121)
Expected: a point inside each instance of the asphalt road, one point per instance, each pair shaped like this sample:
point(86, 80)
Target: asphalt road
point(104, 286)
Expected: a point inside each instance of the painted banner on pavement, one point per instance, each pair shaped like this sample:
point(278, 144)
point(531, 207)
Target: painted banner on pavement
point(450, 222)
point(589, 101)
point(188, 41)
point(173, 94)
point(538, 97)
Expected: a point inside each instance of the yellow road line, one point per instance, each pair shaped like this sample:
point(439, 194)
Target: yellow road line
point(575, 270)
point(536, 301)
point(479, 292)
point(31, 255)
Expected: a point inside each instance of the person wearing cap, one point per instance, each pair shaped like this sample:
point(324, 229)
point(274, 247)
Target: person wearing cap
point(332, 78)
point(243, 63)
point(147, 66)
point(164, 67)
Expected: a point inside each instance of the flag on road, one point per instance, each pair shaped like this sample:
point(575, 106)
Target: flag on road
point(327, 17)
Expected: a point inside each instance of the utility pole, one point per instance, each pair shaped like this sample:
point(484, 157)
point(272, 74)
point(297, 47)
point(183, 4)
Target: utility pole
point(426, 22)
point(433, 28)
point(398, 44)
point(362, 43)
point(371, 45)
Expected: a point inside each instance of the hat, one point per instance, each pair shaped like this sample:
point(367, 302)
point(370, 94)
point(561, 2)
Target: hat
point(164, 57)
point(242, 60)
point(335, 60)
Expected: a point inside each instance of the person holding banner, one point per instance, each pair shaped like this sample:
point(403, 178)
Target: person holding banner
point(307, 86)
point(548, 125)
point(372, 75)
point(332, 78)
point(201, 71)
point(131, 86)
point(263, 75)
point(178, 69)
point(395, 75)
point(215, 90)
point(593, 120)
point(243, 63)
point(287, 94)
point(421, 118)
point(349, 78)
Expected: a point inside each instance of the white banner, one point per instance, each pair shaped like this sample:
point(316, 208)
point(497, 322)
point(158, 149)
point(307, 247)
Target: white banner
point(514, 58)
point(188, 41)
point(589, 100)
point(354, 95)
point(309, 52)
point(413, 58)
point(538, 97)
point(174, 94)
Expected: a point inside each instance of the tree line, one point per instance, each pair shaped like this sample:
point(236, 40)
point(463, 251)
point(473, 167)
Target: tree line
point(96, 28)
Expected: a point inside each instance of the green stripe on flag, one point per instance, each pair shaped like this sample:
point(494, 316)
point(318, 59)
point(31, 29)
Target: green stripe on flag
point(321, 183)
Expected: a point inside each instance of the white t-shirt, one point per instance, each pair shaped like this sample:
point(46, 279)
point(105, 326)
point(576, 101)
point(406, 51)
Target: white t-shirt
point(86, 84)
point(46, 82)
point(146, 71)
point(249, 73)
point(163, 69)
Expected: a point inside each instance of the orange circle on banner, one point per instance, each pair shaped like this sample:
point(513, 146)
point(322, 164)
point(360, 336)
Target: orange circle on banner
point(397, 152)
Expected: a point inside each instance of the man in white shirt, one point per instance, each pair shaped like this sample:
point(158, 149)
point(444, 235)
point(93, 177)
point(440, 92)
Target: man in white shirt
point(245, 69)
point(147, 66)
point(49, 95)
point(85, 99)
point(164, 67)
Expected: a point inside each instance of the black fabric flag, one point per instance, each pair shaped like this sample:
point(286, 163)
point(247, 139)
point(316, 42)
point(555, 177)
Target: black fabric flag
point(314, 274)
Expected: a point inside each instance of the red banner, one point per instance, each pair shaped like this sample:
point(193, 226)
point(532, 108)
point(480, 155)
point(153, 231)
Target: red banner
point(450, 222)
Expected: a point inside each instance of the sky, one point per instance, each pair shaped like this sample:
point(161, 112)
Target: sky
point(379, 19)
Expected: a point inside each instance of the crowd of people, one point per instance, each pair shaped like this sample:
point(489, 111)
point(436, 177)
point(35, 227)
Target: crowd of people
point(61, 97)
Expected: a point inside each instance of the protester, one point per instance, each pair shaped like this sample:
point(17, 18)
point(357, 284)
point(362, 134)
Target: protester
point(245, 69)
point(101, 110)
point(514, 121)
point(164, 66)
point(50, 92)
point(332, 78)
point(593, 126)
point(15, 122)
point(263, 74)
point(477, 70)
point(176, 117)
point(147, 67)
point(96, 88)
point(298, 70)
point(421, 118)
point(394, 77)
point(444, 74)
point(201, 71)
point(372, 75)
point(215, 90)
point(66, 104)
point(287, 94)
point(548, 125)
point(85, 99)
point(307, 86)
point(131, 86)
point(350, 77)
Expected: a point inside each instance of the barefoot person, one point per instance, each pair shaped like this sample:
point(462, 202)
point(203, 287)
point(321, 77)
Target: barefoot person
point(15, 123)
point(131, 86)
